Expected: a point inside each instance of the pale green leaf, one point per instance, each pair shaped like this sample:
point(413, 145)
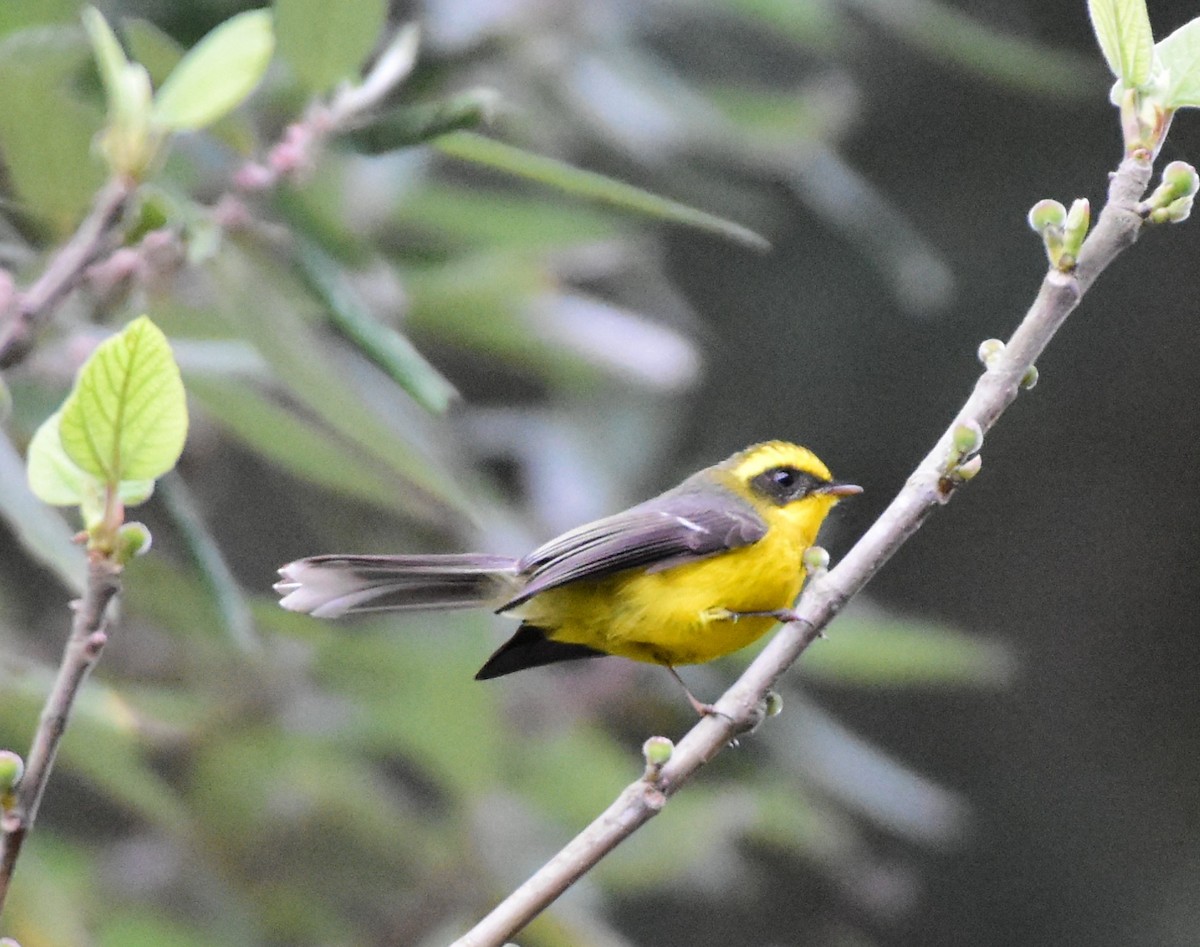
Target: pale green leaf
point(589, 185)
point(57, 480)
point(325, 43)
point(126, 418)
point(42, 532)
point(1123, 32)
point(111, 61)
point(1179, 56)
point(53, 477)
point(217, 74)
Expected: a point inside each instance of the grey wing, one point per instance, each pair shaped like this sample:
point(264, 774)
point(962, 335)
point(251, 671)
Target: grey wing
point(663, 532)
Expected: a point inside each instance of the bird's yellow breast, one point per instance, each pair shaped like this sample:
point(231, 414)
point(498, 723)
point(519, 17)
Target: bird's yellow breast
point(680, 615)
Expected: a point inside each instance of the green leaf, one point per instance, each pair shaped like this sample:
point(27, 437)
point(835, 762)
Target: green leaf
point(110, 57)
point(57, 480)
point(217, 74)
point(126, 418)
point(128, 143)
point(42, 532)
point(1179, 55)
point(589, 185)
point(386, 347)
point(409, 125)
point(20, 14)
point(1123, 31)
point(325, 43)
point(485, 218)
point(45, 133)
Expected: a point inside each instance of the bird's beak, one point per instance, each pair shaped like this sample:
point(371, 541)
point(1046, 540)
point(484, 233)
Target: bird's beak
point(839, 489)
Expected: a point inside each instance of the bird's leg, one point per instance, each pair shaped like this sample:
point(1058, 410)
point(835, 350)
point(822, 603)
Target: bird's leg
point(783, 615)
point(701, 708)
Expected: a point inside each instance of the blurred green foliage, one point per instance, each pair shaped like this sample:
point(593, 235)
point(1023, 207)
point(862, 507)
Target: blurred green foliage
point(396, 350)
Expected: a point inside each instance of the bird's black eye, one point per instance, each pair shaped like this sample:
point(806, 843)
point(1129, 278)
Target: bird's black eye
point(783, 484)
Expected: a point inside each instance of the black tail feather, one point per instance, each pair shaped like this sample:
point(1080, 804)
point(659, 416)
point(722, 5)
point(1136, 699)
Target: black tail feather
point(530, 648)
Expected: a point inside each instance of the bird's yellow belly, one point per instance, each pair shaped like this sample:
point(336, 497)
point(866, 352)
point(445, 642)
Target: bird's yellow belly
point(677, 615)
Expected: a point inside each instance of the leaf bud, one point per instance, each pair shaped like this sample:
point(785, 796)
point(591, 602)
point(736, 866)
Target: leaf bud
point(969, 469)
point(133, 539)
point(657, 752)
point(1030, 378)
point(12, 768)
point(1181, 178)
point(989, 351)
point(968, 438)
point(816, 559)
point(1079, 218)
point(1046, 214)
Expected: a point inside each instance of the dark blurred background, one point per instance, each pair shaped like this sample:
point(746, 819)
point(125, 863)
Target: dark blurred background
point(998, 746)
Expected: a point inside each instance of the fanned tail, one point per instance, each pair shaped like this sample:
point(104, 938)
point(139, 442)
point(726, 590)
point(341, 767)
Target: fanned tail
point(331, 586)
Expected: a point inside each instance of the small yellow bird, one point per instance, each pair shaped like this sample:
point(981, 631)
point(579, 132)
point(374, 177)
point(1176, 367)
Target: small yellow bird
point(688, 576)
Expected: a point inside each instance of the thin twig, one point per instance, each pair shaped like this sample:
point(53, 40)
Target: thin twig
point(66, 269)
point(929, 487)
point(89, 633)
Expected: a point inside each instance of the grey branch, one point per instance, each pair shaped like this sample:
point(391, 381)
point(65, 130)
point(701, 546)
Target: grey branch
point(929, 487)
point(88, 636)
point(90, 241)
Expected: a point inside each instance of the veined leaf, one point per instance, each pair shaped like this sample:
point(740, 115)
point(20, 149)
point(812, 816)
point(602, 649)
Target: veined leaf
point(1123, 31)
point(217, 73)
point(126, 418)
point(57, 480)
point(589, 185)
point(1179, 55)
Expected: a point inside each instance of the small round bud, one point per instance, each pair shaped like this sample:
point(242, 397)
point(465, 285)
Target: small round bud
point(657, 751)
point(816, 559)
point(967, 470)
point(774, 703)
point(1046, 214)
point(989, 351)
point(12, 768)
point(1181, 178)
point(1030, 378)
point(968, 438)
point(133, 539)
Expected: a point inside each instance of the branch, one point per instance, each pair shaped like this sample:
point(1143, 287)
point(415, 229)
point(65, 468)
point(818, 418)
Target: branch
point(89, 242)
point(930, 486)
point(89, 633)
